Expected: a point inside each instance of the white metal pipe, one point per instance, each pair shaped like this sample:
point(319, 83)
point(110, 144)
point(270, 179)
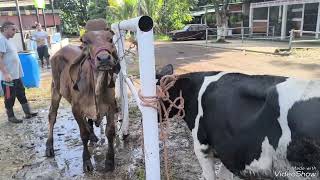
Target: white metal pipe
point(318, 22)
point(123, 93)
point(302, 19)
point(150, 119)
point(305, 32)
point(251, 18)
point(143, 26)
point(284, 22)
point(134, 92)
point(268, 23)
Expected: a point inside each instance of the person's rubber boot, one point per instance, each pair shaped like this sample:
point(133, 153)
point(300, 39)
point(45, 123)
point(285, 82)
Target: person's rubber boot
point(28, 113)
point(11, 117)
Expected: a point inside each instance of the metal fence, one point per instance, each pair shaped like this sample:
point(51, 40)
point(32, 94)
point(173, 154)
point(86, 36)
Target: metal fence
point(243, 33)
point(295, 37)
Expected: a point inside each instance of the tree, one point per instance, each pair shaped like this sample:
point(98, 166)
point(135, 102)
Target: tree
point(118, 11)
point(220, 7)
point(175, 14)
point(98, 9)
point(74, 14)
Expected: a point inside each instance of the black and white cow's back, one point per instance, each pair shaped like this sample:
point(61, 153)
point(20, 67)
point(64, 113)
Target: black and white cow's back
point(255, 124)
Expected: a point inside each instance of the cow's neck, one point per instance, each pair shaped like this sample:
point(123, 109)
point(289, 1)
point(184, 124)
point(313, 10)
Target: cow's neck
point(189, 91)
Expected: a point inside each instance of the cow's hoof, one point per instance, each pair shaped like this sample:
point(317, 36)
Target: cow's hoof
point(109, 165)
point(49, 152)
point(87, 166)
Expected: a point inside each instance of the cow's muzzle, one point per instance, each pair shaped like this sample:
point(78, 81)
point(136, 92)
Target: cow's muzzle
point(105, 62)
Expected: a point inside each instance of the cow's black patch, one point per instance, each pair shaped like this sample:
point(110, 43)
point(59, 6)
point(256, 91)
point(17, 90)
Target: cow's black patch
point(239, 112)
point(304, 123)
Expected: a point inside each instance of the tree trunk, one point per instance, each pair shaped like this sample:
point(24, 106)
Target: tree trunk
point(222, 21)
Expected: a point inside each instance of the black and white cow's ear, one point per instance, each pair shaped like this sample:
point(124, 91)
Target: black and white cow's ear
point(166, 70)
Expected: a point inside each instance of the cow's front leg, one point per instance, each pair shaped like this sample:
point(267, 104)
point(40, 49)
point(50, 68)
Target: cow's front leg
point(93, 138)
point(110, 133)
point(55, 100)
point(206, 160)
point(85, 135)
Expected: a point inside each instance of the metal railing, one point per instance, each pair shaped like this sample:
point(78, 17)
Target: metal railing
point(245, 33)
point(301, 32)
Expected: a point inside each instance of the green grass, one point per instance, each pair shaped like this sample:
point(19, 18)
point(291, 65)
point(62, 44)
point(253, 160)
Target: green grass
point(162, 37)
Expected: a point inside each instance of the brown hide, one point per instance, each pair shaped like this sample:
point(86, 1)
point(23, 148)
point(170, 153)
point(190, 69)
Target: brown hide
point(83, 76)
point(65, 70)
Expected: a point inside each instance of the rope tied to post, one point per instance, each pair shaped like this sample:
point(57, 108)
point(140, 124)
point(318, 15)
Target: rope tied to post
point(158, 102)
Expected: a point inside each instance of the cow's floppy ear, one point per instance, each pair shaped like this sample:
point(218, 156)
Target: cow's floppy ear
point(166, 70)
point(74, 70)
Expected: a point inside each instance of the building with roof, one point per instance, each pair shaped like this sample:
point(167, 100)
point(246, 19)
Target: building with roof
point(26, 16)
point(276, 17)
point(29, 14)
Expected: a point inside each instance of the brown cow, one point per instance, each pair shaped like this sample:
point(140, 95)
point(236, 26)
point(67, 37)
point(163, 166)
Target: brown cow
point(84, 77)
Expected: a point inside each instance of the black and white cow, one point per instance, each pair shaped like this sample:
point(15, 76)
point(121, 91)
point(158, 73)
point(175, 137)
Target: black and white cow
point(259, 126)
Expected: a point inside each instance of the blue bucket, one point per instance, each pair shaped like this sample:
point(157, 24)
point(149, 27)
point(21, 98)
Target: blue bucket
point(30, 68)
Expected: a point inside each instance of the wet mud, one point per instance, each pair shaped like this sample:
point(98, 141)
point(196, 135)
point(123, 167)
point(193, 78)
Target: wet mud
point(22, 150)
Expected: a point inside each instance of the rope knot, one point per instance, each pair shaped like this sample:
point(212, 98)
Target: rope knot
point(163, 96)
point(158, 102)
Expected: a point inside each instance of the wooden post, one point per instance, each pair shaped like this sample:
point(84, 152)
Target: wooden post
point(44, 19)
point(37, 14)
point(20, 25)
point(52, 11)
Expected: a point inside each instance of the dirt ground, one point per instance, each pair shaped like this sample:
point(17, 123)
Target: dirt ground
point(22, 146)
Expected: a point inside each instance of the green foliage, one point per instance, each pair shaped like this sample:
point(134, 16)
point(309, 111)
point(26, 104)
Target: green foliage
point(140, 173)
point(175, 14)
point(98, 9)
point(235, 18)
point(167, 14)
point(74, 14)
point(118, 11)
point(162, 37)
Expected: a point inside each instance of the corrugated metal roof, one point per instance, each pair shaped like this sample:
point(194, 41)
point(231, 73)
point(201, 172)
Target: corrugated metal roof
point(12, 3)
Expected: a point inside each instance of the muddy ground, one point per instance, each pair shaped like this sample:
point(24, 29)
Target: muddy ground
point(22, 146)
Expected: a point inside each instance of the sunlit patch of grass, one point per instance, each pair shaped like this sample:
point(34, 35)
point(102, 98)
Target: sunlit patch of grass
point(308, 53)
point(162, 37)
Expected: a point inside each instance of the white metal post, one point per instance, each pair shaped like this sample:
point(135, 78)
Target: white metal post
point(268, 23)
point(250, 20)
point(206, 37)
point(143, 26)
point(302, 19)
point(284, 22)
point(123, 92)
point(318, 23)
point(291, 39)
point(149, 116)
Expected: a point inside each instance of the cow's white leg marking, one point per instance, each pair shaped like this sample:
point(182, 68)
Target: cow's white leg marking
point(225, 174)
point(206, 162)
point(264, 163)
